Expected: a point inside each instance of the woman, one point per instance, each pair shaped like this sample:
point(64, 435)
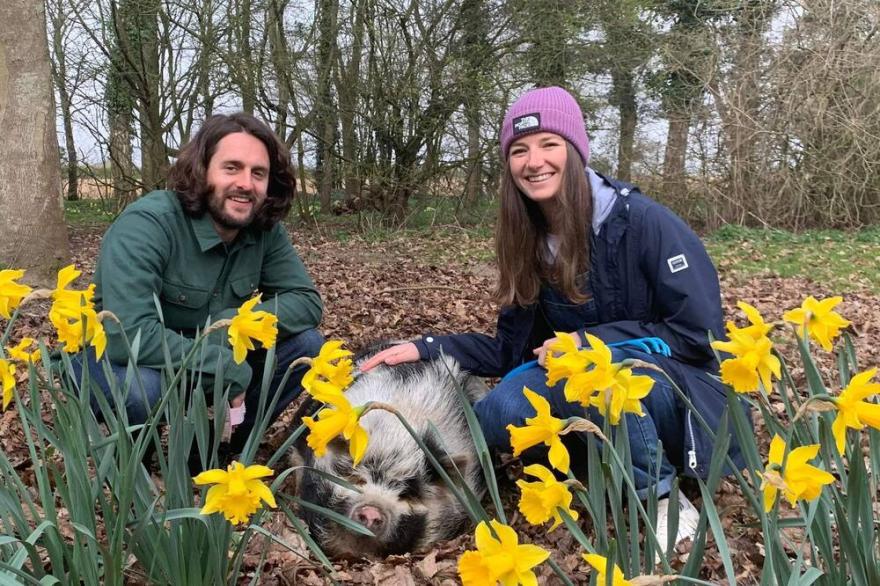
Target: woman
point(582, 253)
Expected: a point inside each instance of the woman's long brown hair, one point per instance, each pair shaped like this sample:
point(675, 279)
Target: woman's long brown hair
point(521, 238)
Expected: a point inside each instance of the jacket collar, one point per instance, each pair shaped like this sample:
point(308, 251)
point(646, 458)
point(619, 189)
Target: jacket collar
point(207, 236)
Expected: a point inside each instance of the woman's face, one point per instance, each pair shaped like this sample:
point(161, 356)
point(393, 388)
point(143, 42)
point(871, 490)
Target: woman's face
point(537, 162)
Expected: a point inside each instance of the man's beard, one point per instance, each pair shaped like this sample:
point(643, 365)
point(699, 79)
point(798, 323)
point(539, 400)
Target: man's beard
point(217, 202)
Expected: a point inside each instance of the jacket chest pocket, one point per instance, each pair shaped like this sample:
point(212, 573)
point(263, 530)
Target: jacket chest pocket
point(244, 287)
point(184, 307)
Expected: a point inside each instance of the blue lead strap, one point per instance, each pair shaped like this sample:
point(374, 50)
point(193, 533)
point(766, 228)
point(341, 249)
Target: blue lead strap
point(646, 345)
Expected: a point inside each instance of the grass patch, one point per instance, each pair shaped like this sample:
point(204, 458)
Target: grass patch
point(90, 212)
point(842, 261)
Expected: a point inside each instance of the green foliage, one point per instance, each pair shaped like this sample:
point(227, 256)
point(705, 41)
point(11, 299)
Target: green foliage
point(90, 212)
point(96, 516)
point(842, 261)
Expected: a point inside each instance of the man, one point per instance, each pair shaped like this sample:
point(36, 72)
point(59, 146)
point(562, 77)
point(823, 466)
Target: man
point(204, 248)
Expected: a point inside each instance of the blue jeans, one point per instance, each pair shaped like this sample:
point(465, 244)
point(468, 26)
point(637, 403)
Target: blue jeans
point(142, 397)
point(506, 404)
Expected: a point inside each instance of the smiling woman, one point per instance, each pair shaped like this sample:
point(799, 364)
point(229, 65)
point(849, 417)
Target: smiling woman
point(585, 260)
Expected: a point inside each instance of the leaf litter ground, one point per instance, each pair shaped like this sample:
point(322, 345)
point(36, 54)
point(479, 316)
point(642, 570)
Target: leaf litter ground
point(436, 282)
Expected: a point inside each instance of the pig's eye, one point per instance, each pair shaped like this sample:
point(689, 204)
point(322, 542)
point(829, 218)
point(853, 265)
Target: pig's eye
point(411, 489)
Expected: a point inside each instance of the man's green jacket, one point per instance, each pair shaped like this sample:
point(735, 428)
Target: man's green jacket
point(155, 249)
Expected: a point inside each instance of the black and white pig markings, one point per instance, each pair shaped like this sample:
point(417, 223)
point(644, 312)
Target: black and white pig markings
point(401, 497)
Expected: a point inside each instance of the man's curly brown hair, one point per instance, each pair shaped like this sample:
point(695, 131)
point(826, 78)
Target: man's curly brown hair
point(189, 174)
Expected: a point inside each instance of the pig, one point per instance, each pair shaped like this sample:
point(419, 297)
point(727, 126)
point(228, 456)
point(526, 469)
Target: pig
point(400, 497)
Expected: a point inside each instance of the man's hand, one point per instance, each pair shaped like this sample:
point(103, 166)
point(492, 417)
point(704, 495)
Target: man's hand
point(391, 356)
point(541, 351)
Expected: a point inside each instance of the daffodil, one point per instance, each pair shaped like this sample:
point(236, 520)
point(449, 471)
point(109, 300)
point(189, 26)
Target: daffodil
point(11, 293)
point(76, 324)
point(7, 378)
point(757, 328)
point(73, 297)
point(798, 480)
point(330, 371)
point(543, 428)
point(753, 362)
point(600, 564)
point(853, 411)
point(500, 559)
point(20, 351)
point(338, 419)
point(819, 319)
point(73, 314)
point(237, 491)
point(582, 386)
point(623, 395)
point(542, 500)
point(564, 359)
point(249, 325)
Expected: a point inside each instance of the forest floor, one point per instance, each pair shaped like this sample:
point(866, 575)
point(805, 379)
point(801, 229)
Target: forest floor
point(440, 281)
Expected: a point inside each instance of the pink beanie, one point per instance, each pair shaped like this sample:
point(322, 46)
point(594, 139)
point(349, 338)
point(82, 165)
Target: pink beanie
point(549, 109)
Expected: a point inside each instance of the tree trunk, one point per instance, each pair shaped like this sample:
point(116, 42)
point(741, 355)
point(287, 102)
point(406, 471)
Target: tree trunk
point(326, 131)
point(348, 91)
point(676, 152)
point(625, 97)
point(154, 154)
point(59, 75)
point(33, 235)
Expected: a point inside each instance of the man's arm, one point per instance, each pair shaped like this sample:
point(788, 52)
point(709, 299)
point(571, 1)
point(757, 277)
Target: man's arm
point(284, 275)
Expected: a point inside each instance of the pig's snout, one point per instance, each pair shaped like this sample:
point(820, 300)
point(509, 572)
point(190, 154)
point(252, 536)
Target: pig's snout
point(370, 517)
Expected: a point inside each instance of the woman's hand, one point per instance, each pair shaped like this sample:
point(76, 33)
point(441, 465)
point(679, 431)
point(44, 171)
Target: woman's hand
point(541, 351)
point(395, 355)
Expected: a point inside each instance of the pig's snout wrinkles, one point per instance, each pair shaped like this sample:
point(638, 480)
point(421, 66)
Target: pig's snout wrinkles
point(370, 517)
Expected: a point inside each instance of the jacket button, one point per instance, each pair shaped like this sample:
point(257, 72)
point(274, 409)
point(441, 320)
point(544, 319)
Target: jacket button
point(181, 297)
point(429, 340)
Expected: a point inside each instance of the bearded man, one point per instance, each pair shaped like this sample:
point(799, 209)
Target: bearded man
point(201, 249)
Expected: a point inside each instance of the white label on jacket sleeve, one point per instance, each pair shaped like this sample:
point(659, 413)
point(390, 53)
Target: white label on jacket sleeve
point(677, 263)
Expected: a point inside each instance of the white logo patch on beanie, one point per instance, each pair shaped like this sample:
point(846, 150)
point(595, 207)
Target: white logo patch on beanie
point(526, 123)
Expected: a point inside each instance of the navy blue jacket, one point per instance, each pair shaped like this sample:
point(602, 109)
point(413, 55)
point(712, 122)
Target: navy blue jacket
point(650, 276)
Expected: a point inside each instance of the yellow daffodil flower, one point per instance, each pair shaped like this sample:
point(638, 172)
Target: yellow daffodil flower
point(852, 409)
point(331, 369)
point(73, 314)
point(600, 564)
point(623, 395)
point(564, 359)
point(249, 325)
point(542, 500)
point(500, 559)
point(237, 491)
point(819, 319)
point(11, 293)
point(757, 328)
point(543, 428)
point(76, 324)
point(800, 480)
point(20, 351)
point(7, 378)
point(582, 387)
point(74, 297)
point(753, 361)
point(342, 419)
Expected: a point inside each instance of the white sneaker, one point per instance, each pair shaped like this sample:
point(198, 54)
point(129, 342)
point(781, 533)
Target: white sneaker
point(688, 519)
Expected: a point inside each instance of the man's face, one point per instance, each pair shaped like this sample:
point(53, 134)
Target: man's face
point(238, 172)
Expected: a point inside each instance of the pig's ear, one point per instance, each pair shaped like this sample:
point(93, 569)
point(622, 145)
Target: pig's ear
point(474, 388)
point(454, 465)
